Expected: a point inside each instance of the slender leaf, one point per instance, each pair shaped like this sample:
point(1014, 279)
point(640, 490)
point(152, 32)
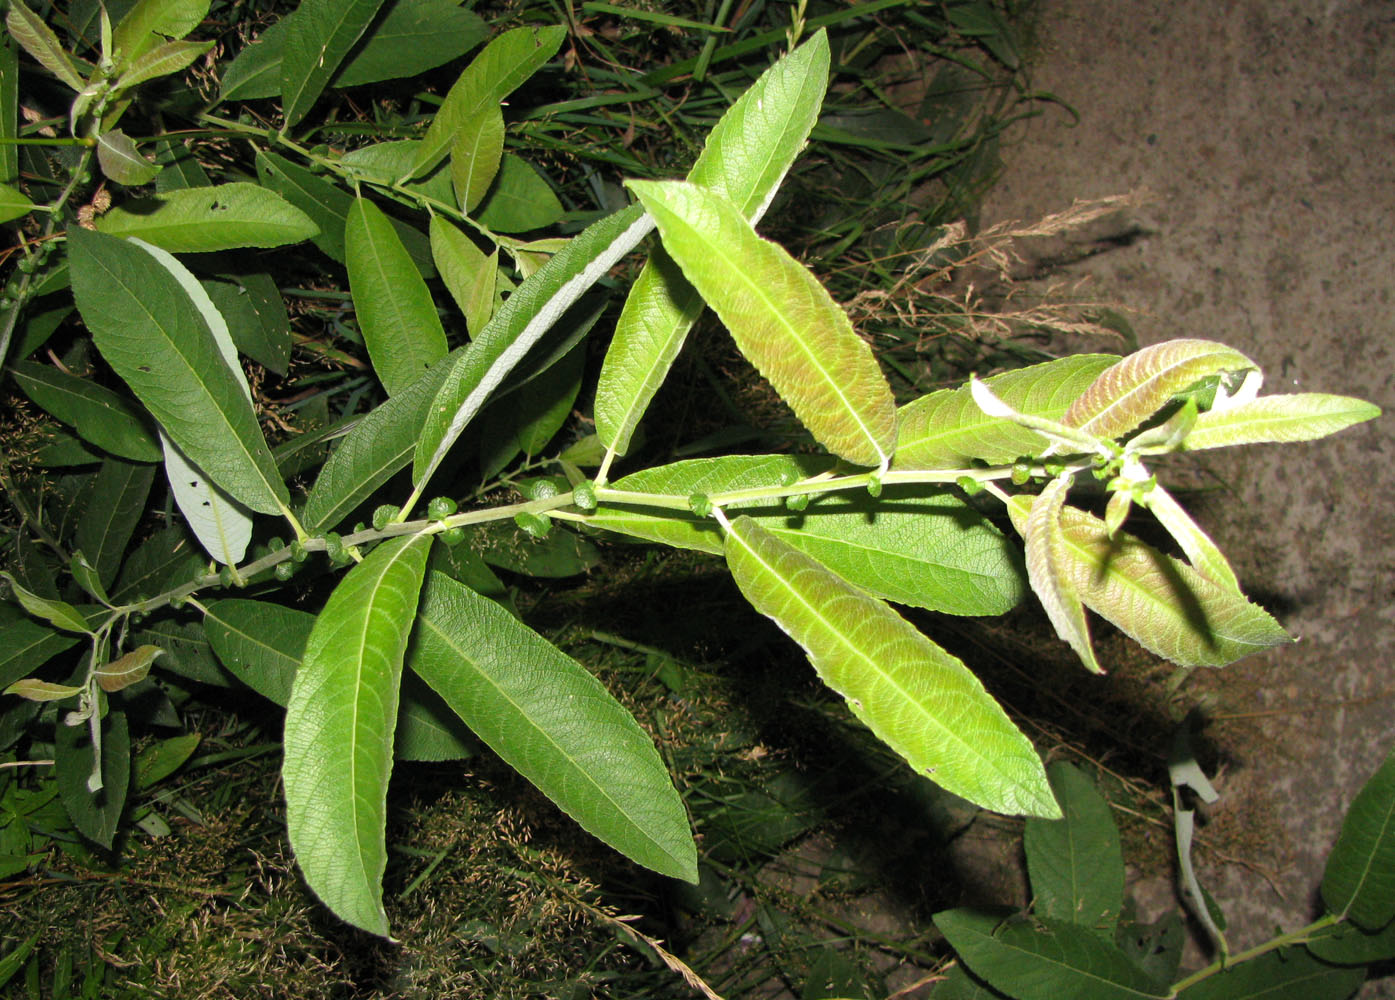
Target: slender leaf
point(95, 814)
point(396, 316)
point(385, 162)
point(1303, 416)
point(492, 75)
point(409, 38)
point(154, 336)
point(528, 418)
point(25, 646)
point(52, 610)
point(256, 71)
point(1290, 974)
point(340, 724)
point(475, 157)
point(1347, 944)
point(221, 524)
point(1049, 573)
point(320, 35)
point(38, 39)
point(163, 60)
point(1204, 555)
point(181, 168)
point(554, 723)
point(98, 415)
point(1131, 391)
point(222, 217)
point(9, 110)
point(121, 161)
point(781, 318)
point(918, 699)
point(130, 669)
point(1164, 604)
point(1044, 958)
point(519, 200)
point(106, 528)
point(33, 689)
point(469, 275)
point(13, 203)
point(142, 27)
point(1075, 863)
point(529, 312)
point(256, 318)
point(157, 563)
point(948, 430)
point(1359, 881)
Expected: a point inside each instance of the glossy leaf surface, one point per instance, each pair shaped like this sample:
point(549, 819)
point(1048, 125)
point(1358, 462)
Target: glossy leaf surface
point(918, 699)
point(554, 723)
point(319, 36)
point(1075, 863)
point(1360, 878)
point(947, 429)
point(396, 315)
point(200, 219)
point(340, 724)
point(782, 319)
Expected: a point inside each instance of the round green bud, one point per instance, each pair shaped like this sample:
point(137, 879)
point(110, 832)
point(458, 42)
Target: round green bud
point(177, 602)
point(384, 515)
point(969, 485)
point(1021, 473)
point(285, 570)
point(225, 576)
point(452, 536)
point(334, 548)
point(537, 525)
point(299, 553)
point(700, 505)
point(797, 502)
point(276, 544)
point(441, 508)
point(874, 487)
point(584, 496)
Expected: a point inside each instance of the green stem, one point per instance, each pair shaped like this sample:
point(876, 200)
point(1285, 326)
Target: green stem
point(1273, 944)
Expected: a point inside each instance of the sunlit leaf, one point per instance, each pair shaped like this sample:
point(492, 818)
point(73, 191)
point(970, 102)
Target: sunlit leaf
point(1204, 555)
point(385, 162)
point(1049, 573)
point(340, 724)
point(121, 161)
point(1131, 391)
point(947, 429)
point(1075, 862)
point(38, 39)
point(171, 57)
point(469, 275)
point(554, 723)
point(917, 698)
point(1359, 881)
point(148, 22)
point(98, 415)
point(396, 315)
point(782, 319)
point(223, 217)
point(33, 689)
point(52, 610)
point(13, 203)
point(1303, 416)
point(319, 36)
point(475, 157)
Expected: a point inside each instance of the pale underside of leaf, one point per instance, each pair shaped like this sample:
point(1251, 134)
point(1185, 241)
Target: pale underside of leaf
point(1303, 416)
point(221, 524)
point(1048, 574)
point(1204, 555)
point(918, 699)
point(781, 318)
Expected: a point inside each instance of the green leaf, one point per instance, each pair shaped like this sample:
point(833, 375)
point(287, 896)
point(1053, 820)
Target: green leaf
point(1075, 863)
point(1044, 958)
point(1131, 391)
point(320, 35)
point(181, 167)
point(409, 38)
point(554, 723)
point(959, 985)
point(85, 576)
point(262, 644)
point(130, 669)
point(379, 445)
point(475, 157)
point(187, 652)
point(25, 646)
point(918, 699)
point(1303, 416)
point(15, 958)
point(33, 689)
point(256, 318)
point(469, 275)
point(159, 760)
point(38, 39)
point(529, 417)
point(121, 161)
point(948, 430)
point(519, 324)
point(384, 162)
point(519, 200)
point(492, 75)
point(95, 814)
point(107, 526)
point(154, 336)
point(13, 203)
point(1347, 944)
point(56, 612)
point(340, 723)
point(9, 111)
point(159, 562)
point(1204, 555)
point(1048, 571)
point(98, 415)
point(781, 318)
point(561, 554)
point(256, 71)
point(1359, 881)
point(171, 57)
point(1164, 604)
point(396, 316)
point(222, 217)
point(1290, 974)
point(143, 25)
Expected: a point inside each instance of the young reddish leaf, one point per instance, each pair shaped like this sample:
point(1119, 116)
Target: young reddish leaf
point(129, 669)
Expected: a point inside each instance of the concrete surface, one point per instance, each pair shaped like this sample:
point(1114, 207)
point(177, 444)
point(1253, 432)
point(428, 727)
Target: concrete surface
point(1265, 132)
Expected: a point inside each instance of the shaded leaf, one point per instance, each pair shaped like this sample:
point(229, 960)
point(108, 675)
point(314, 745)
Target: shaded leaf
point(385, 162)
point(1075, 863)
point(256, 318)
point(475, 157)
point(129, 669)
point(1131, 391)
point(95, 814)
point(782, 319)
point(162, 560)
point(181, 167)
point(38, 39)
point(319, 36)
point(1359, 881)
point(1347, 944)
point(528, 418)
point(396, 316)
point(222, 217)
point(106, 527)
point(97, 414)
point(147, 21)
point(409, 38)
point(519, 200)
point(52, 610)
point(918, 699)
point(1204, 555)
point(9, 111)
point(158, 761)
point(25, 646)
point(554, 723)
point(1303, 416)
point(121, 161)
point(32, 689)
point(171, 57)
point(13, 203)
point(1290, 974)
point(562, 553)
point(947, 429)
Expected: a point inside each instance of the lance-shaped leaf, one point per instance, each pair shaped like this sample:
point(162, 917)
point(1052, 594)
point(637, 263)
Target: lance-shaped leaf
point(154, 336)
point(145, 23)
point(13, 203)
point(1348, 944)
point(223, 217)
point(1360, 878)
point(39, 41)
point(469, 275)
point(554, 723)
point(1131, 391)
point(340, 723)
point(106, 527)
point(948, 430)
point(398, 320)
point(782, 319)
point(33, 689)
point(9, 112)
point(166, 558)
point(94, 813)
point(130, 669)
point(320, 35)
point(475, 156)
point(256, 318)
point(1164, 604)
point(221, 524)
point(1303, 416)
point(1049, 574)
point(1075, 862)
point(121, 161)
point(262, 644)
point(919, 700)
point(519, 324)
point(171, 57)
point(56, 612)
point(26, 645)
point(491, 76)
point(1045, 958)
point(520, 199)
point(98, 415)
point(1288, 974)
point(1204, 555)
